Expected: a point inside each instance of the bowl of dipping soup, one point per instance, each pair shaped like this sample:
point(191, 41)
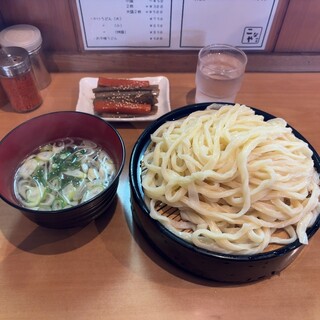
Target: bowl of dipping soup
point(61, 169)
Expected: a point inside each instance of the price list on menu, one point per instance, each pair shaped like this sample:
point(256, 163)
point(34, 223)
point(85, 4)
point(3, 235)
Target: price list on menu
point(174, 24)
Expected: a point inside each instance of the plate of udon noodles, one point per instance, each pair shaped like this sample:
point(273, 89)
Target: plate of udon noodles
point(226, 180)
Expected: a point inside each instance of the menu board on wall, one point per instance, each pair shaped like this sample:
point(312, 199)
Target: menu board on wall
point(174, 24)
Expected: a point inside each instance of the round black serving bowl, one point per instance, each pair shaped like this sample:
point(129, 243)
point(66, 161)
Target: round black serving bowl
point(24, 139)
point(200, 262)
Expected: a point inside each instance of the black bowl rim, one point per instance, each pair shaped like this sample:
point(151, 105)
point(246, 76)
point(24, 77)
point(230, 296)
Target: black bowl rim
point(138, 196)
point(79, 206)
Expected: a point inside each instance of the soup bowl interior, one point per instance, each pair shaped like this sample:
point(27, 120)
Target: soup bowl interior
point(207, 264)
point(28, 136)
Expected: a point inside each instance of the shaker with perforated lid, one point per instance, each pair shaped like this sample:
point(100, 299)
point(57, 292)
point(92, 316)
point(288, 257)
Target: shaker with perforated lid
point(28, 37)
point(17, 79)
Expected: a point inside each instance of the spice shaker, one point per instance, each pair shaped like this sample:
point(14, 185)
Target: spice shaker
point(17, 79)
point(28, 37)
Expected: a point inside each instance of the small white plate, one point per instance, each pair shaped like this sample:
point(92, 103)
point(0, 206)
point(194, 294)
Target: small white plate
point(86, 96)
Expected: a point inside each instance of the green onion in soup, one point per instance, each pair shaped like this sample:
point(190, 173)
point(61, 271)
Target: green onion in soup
point(63, 174)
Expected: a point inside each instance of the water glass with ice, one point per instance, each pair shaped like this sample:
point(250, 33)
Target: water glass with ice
point(219, 74)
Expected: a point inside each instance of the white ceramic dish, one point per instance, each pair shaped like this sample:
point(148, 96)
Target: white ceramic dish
point(85, 100)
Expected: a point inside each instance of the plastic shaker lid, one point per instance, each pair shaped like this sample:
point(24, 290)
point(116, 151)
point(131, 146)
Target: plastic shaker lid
point(21, 35)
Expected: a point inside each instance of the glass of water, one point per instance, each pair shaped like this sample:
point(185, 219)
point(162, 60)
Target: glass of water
point(219, 74)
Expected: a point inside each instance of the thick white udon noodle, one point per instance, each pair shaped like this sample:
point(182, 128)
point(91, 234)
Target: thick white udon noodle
point(235, 178)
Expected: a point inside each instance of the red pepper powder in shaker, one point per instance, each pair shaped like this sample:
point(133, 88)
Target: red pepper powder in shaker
point(17, 79)
point(3, 97)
